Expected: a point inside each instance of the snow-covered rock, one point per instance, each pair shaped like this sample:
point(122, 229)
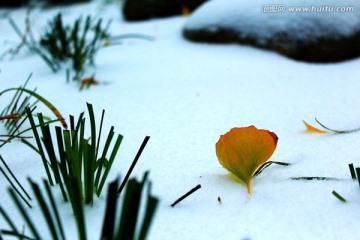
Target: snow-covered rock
point(312, 30)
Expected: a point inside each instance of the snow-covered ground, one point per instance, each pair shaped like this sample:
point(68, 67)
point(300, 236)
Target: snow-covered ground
point(184, 96)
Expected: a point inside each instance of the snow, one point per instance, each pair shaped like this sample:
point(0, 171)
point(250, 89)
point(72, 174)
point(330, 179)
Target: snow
point(264, 19)
point(184, 96)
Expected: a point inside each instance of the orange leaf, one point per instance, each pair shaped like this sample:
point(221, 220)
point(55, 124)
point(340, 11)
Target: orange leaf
point(242, 150)
point(312, 129)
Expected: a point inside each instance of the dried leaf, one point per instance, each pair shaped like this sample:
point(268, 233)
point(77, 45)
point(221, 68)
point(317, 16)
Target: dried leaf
point(185, 11)
point(312, 129)
point(242, 150)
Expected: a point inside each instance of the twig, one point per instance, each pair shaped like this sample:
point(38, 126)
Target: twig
point(186, 195)
point(133, 164)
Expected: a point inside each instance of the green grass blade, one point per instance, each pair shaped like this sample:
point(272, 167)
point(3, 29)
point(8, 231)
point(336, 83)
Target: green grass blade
point(30, 128)
point(18, 126)
point(92, 127)
point(8, 220)
point(54, 210)
point(63, 160)
point(357, 170)
point(99, 136)
point(14, 234)
point(44, 209)
point(74, 194)
point(41, 99)
point(129, 211)
point(14, 187)
point(150, 209)
point(74, 162)
point(338, 196)
point(151, 206)
point(89, 165)
point(48, 143)
point(40, 149)
point(24, 214)
point(26, 142)
point(15, 179)
point(65, 174)
point(78, 208)
point(108, 226)
point(72, 123)
point(101, 161)
point(111, 160)
point(337, 131)
point(352, 171)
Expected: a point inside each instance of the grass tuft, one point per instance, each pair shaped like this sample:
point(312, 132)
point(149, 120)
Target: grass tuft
point(75, 158)
point(14, 114)
point(61, 43)
point(128, 224)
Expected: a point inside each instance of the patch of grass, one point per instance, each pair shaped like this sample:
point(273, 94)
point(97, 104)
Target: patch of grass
point(128, 224)
point(74, 157)
point(73, 42)
point(61, 43)
point(14, 182)
point(80, 167)
point(14, 114)
point(355, 175)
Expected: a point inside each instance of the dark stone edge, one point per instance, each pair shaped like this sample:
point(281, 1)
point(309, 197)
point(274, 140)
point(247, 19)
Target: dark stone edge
point(320, 50)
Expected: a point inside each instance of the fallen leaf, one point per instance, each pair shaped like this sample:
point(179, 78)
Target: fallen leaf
point(312, 129)
point(87, 82)
point(185, 11)
point(243, 149)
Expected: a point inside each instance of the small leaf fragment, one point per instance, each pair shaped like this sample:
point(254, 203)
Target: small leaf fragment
point(312, 129)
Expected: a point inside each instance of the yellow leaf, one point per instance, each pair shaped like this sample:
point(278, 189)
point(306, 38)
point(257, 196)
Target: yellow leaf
point(312, 129)
point(242, 150)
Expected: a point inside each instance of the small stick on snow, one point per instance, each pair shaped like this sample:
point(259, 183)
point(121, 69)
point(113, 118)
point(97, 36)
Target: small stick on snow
point(186, 195)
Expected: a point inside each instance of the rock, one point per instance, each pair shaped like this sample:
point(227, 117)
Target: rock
point(13, 3)
point(312, 35)
point(135, 10)
point(65, 2)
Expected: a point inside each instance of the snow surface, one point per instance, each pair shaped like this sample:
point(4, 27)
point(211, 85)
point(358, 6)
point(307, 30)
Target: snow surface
point(266, 18)
point(185, 95)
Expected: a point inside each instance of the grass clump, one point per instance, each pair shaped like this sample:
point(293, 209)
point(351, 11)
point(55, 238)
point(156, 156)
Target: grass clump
point(73, 42)
point(14, 115)
point(80, 167)
point(126, 224)
point(355, 175)
point(78, 158)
